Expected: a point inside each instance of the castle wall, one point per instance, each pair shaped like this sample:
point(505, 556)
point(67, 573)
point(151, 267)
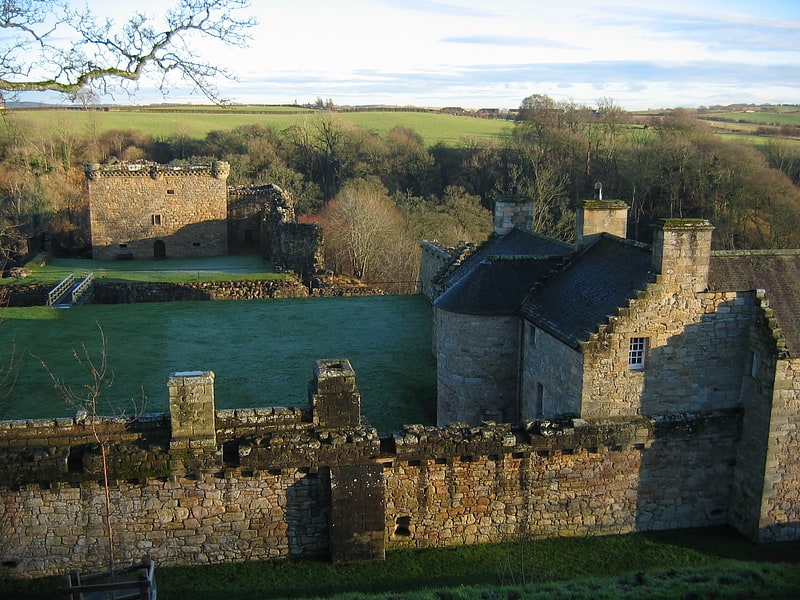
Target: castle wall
point(433, 259)
point(424, 487)
point(477, 367)
point(134, 209)
point(686, 334)
point(552, 373)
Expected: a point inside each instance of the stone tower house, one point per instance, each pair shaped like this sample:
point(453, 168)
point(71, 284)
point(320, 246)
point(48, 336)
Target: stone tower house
point(155, 211)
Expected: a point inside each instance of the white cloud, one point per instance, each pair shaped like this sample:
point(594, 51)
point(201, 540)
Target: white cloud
point(475, 53)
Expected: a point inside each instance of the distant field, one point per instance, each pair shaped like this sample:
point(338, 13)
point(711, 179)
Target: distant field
point(165, 123)
point(761, 117)
point(261, 351)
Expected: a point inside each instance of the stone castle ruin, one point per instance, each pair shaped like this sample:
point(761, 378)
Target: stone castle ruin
point(599, 388)
point(147, 210)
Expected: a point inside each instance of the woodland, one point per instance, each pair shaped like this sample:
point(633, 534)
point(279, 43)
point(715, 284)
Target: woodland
point(377, 196)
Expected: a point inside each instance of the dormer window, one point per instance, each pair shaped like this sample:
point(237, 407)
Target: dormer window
point(637, 353)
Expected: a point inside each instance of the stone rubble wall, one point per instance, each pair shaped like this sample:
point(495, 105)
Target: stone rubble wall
point(706, 331)
point(266, 491)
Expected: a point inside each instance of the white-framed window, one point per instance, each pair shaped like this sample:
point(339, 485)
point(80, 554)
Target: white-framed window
point(156, 219)
point(637, 353)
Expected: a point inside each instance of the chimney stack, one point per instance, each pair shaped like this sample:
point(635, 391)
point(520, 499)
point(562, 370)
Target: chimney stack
point(598, 216)
point(682, 252)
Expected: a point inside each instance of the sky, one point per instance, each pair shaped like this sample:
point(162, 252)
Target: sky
point(494, 53)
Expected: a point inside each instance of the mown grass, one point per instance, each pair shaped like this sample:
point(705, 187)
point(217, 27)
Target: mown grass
point(262, 353)
point(699, 563)
point(212, 268)
point(164, 124)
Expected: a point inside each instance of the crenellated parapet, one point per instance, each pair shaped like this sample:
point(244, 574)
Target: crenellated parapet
point(216, 169)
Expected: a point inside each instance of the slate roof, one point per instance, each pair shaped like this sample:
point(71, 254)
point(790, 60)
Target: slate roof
point(589, 288)
point(496, 286)
point(495, 277)
point(515, 243)
point(775, 271)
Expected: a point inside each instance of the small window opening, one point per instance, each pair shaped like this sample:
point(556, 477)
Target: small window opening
point(170, 192)
point(123, 245)
point(539, 408)
point(755, 364)
point(196, 244)
point(156, 219)
point(402, 527)
point(636, 354)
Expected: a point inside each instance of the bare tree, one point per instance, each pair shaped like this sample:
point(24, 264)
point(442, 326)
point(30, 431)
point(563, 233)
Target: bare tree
point(49, 45)
point(88, 399)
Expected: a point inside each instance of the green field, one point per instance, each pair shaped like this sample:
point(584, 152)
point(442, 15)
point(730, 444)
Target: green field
point(262, 352)
point(196, 122)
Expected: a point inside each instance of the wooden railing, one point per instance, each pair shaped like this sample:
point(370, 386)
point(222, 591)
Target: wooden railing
point(82, 288)
point(60, 289)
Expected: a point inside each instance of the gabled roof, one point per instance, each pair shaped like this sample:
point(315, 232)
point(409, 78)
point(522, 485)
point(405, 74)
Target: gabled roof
point(515, 243)
point(496, 286)
point(591, 287)
point(775, 271)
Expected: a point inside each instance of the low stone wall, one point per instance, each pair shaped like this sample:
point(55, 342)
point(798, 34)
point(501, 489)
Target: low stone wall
point(27, 295)
point(129, 293)
point(110, 292)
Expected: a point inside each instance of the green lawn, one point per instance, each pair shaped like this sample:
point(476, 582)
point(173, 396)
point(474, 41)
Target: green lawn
point(211, 268)
point(261, 351)
point(682, 564)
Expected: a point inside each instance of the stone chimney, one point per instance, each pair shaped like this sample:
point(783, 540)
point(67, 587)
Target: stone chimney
point(682, 252)
point(512, 210)
point(598, 216)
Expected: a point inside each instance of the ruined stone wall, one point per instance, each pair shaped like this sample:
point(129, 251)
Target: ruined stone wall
point(148, 210)
point(433, 259)
point(477, 362)
point(107, 292)
point(686, 333)
point(298, 247)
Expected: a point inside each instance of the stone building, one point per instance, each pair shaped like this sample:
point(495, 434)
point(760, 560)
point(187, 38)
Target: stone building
point(529, 328)
point(155, 211)
point(147, 210)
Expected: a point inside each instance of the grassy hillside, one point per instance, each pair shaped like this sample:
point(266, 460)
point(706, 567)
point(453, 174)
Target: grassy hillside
point(196, 122)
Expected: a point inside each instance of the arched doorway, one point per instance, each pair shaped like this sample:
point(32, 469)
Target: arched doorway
point(159, 250)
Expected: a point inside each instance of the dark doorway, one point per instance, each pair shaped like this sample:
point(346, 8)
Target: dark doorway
point(159, 250)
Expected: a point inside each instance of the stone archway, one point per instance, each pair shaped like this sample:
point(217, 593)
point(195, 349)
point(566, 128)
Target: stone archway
point(159, 250)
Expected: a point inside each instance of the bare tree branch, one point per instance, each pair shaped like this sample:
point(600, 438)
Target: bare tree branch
point(49, 46)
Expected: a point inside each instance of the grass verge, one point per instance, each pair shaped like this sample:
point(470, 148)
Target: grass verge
point(698, 563)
